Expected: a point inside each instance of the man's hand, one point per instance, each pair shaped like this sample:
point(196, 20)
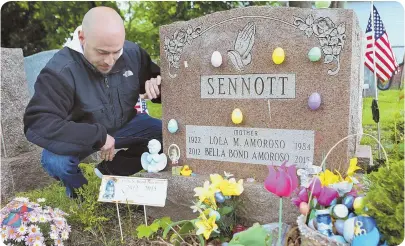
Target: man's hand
point(152, 88)
point(108, 150)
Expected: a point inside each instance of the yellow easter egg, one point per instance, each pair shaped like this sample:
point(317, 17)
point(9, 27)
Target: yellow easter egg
point(358, 203)
point(278, 55)
point(237, 116)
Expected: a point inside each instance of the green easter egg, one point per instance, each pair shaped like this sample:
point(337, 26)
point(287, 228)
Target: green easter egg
point(315, 54)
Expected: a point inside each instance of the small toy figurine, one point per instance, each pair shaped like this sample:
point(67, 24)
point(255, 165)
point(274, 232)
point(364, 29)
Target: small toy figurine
point(153, 162)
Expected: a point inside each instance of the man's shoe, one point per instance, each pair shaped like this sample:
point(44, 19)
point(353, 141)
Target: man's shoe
point(123, 164)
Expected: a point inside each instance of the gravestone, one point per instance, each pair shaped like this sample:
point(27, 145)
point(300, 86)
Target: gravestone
point(277, 123)
point(20, 163)
point(33, 65)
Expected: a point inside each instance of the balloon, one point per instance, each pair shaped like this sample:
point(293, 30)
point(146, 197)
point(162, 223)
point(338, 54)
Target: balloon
point(172, 126)
point(304, 208)
point(314, 101)
point(339, 225)
point(237, 116)
point(278, 55)
point(216, 59)
point(348, 201)
point(315, 54)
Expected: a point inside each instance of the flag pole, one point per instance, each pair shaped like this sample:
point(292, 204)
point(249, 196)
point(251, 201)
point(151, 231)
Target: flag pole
point(375, 74)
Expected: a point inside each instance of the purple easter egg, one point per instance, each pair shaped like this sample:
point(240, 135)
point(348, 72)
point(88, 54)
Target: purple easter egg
point(314, 101)
point(339, 225)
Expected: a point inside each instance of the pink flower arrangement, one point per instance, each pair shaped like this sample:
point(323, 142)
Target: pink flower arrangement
point(281, 181)
point(28, 223)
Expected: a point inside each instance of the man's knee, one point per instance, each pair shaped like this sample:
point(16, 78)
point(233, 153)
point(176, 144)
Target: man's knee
point(59, 166)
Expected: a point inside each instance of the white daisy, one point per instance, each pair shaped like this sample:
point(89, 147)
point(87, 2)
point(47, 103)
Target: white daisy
point(37, 243)
point(33, 229)
point(53, 227)
point(42, 218)
point(19, 238)
point(33, 217)
point(64, 235)
point(22, 229)
point(54, 235)
point(21, 199)
point(58, 242)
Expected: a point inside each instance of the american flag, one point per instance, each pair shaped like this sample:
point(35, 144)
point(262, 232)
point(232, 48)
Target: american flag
point(385, 62)
point(141, 106)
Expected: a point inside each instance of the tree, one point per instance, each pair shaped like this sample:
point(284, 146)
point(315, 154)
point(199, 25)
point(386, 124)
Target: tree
point(39, 26)
point(145, 18)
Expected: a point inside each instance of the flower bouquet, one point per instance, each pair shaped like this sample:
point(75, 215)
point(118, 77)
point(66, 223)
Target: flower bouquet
point(28, 223)
point(216, 205)
point(333, 211)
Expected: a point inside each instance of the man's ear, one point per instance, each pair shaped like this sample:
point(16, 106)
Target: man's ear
point(81, 37)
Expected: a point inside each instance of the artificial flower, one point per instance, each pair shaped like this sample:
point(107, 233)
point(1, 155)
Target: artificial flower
point(216, 181)
point(327, 178)
point(198, 206)
point(342, 187)
point(231, 188)
point(352, 167)
point(281, 181)
point(327, 195)
point(301, 197)
point(22, 229)
point(315, 187)
point(228, 175)
point(206, 226)
point(206, 194)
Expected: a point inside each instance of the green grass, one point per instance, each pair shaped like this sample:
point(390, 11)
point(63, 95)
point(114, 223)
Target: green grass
point(389, 104)
point(155, 109)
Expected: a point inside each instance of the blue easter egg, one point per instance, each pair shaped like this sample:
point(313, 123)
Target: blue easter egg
point(348, 202)
point(338, 238)
point(351, 215)
point(219, 197)
point(370, 239)
point(217, 215)
point(334, 202)
point(339, 225)
point(227, 197)
point(348, 229)
point(172, 126)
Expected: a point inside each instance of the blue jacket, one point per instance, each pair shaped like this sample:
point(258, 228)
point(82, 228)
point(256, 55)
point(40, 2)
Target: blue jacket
point(74, 105)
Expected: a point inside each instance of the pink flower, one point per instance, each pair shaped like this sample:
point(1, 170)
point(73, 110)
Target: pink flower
point(281, 181)
point(327, 195)
point(301, 197)
point(316, 186)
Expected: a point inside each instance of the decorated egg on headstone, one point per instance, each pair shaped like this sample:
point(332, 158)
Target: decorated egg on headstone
point(278, 55)
point(237, 116)
point(339, 225)
point(216, 59)
point(314, 101)
point(172, 126)
point(340, 211)
point(348, 229)
point(315, 54)
point(348, 201)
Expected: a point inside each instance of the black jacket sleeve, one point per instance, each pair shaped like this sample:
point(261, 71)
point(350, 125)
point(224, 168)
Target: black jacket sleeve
point(46, 118)
point(148, 70)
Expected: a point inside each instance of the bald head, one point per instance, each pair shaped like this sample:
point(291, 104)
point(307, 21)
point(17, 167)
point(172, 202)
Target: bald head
point(102, 37)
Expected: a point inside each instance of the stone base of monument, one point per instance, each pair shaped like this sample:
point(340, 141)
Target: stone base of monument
point(364, 156)
point(258, 204)
point(22, 173)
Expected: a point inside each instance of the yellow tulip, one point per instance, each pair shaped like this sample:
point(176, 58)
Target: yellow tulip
point(216, 180)
point(206, 227)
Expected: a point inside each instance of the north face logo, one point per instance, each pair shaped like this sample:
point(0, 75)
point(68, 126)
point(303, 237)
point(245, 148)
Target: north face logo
point(128, 73)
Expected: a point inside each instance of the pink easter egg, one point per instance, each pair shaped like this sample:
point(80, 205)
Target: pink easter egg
point(304, 208)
